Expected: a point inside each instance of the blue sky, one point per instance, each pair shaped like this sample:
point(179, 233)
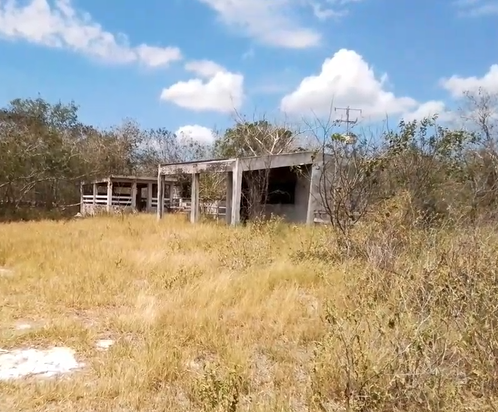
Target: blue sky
point(190, 64)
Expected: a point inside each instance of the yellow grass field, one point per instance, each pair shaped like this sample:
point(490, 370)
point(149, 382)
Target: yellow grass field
point(268, 317)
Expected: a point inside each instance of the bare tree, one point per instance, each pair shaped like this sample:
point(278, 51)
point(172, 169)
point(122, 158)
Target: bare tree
point(348, 174)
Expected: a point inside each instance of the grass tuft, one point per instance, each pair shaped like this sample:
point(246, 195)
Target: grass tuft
point(268, 317)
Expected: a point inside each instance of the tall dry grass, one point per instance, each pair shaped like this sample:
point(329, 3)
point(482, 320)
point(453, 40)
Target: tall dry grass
point(268, 317)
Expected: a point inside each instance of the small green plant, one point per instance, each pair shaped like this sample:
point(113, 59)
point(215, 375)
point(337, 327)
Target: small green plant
point(219, 389)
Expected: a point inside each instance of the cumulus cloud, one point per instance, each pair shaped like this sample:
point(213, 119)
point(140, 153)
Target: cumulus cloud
point(276, 22)
point(346, 80)
point(429, 109)
point(204, 68)
point(197, 133)
point(215, 89)
point(457, 85)
point(60, 25)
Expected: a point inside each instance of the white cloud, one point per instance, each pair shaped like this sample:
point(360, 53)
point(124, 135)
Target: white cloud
point(477, 8)
point(271, 22)
point(216, 89)
point(60, 25)
point(458, 85)
point(324, 11)
point(197, 133)
point(429, 109)
point(204, 68)
point(279, 22)
point(346, 80)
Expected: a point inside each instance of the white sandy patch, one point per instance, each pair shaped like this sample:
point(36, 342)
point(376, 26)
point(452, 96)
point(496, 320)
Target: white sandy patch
point(104, 344)
point(19, 363)
point(23, 326)
point(6, 272)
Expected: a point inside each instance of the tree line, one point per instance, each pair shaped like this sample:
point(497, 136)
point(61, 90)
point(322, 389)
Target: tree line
point(46, 151)
point(445, 169)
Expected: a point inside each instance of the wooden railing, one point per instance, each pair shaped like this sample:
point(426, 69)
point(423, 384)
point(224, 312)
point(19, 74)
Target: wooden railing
point(176, 204)
point(117, 200)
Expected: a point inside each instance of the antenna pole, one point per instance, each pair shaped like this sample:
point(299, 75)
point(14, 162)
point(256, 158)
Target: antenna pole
point(348, 120)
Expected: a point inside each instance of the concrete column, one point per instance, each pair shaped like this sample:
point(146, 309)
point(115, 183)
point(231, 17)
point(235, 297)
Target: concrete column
point(95, 192)
point(160, 196)
point(134, 196)
point(228, 210)
point(194, 199)
point(149, 197)
point(109, 196)
point(171, 194)
point(314, 198)
point(82, 192)
point(236, 193)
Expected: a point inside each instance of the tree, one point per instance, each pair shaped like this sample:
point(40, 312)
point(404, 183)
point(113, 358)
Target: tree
point(254, 139)
point(45, 151)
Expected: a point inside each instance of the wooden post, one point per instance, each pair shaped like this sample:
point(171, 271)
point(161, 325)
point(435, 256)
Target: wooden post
point(149, 197)
point(228, 204)
point(314, 195)
point(194, 199)
point(160, 196)
point(109, 196)
point(236, 193)
point(134, 196)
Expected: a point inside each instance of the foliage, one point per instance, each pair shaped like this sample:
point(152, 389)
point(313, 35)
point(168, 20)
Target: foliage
point(451, 174)
point(45, 151)
point(254, 139)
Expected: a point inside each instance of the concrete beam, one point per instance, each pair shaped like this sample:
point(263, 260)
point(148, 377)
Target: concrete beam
point(216, 166)
point(246, 163)
point(274, 161)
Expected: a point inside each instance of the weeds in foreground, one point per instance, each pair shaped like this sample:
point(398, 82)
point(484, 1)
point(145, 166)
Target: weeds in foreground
point(265, 317)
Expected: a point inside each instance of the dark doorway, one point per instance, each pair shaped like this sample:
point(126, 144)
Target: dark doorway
point(141, 199)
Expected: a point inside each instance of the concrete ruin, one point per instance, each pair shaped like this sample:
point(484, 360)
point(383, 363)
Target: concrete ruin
point(292, 185)
point(125, 194)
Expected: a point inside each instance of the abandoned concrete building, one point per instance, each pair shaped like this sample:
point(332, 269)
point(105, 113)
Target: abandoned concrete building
point(291, 186)
point(127, 194)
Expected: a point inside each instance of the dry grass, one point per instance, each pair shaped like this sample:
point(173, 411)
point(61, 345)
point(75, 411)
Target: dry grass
point(263, 318)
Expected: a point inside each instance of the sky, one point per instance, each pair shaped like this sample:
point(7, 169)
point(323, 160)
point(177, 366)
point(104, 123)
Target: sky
point(193, 66)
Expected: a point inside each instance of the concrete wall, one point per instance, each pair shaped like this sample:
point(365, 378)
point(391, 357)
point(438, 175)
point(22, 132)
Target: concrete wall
point(297, 212)
point(92, 210)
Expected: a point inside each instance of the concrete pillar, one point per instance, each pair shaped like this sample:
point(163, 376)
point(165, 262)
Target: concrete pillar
point(171, 194)
point(314, 198)
point(134, 196)
point(236, 192)
point(82, 201)
point(160, 196)
point(149, 197)
point(109, 196)
point(228, 210)
point(194, 199)
point(95, 193)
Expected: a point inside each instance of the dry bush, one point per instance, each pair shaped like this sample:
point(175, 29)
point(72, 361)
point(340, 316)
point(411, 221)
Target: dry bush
point(416, 328)
point(257, 318)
